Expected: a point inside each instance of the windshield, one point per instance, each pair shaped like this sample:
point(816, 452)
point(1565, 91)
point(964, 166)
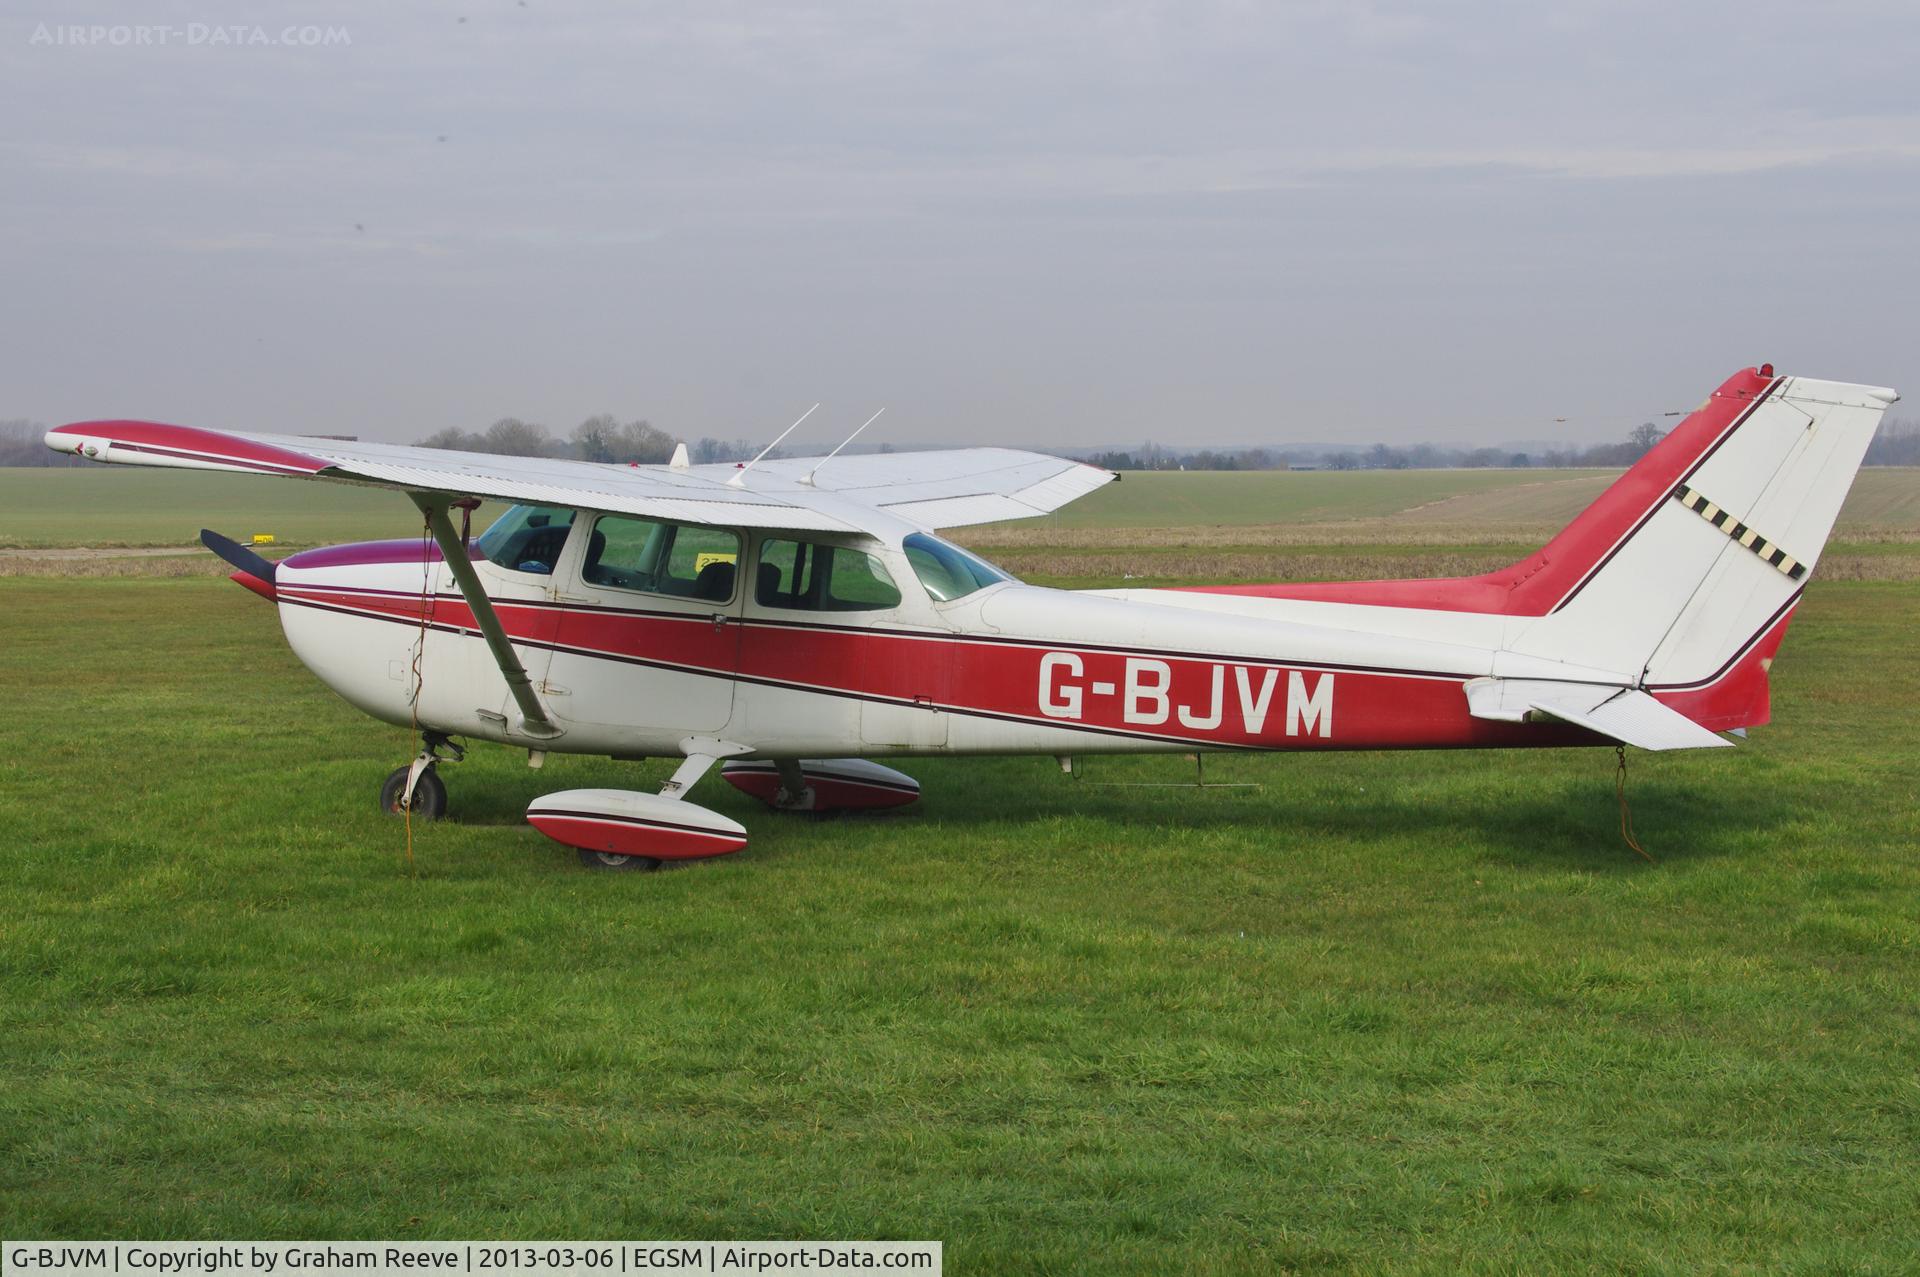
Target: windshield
point(527, 538)
point(947, 571)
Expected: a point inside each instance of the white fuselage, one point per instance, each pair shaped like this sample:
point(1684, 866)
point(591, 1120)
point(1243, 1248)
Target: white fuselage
point(1009, 669)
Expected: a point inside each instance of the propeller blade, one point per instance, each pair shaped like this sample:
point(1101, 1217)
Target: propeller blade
point(238, 555)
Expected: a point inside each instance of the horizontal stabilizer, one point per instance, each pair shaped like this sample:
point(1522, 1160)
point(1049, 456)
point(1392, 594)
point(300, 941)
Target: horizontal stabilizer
point(1619, 713)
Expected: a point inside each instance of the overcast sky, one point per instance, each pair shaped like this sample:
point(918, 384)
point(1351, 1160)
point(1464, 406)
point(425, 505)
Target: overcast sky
point(1006, 222)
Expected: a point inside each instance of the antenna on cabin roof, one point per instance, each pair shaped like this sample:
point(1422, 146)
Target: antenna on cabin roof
point(808, 480)
point(739, 479)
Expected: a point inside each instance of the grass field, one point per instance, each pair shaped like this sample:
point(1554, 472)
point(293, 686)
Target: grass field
point(1408, 1013)
point(123, 505)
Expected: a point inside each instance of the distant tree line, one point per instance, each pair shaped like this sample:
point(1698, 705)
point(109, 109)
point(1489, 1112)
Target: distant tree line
point(603, 438)
point(1381, 456)
point(1151, 456)
point(1636, 445)
point(1897, 444)
point(22, 444)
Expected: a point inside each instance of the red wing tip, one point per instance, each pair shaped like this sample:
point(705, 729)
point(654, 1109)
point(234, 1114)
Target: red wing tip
point(157, 443)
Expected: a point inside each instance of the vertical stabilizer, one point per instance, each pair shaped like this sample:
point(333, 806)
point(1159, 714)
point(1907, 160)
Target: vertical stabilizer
point(1709, 572)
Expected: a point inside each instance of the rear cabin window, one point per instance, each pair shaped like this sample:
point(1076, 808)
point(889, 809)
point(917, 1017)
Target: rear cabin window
point(527, 538)
point(809, 577)
point(681, 560)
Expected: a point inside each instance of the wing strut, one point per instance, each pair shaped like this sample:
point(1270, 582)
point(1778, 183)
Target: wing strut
point(535, 720)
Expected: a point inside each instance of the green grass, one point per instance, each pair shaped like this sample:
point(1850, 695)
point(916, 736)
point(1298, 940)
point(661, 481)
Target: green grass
point(1161, 500)
point(1415, 1013)
point(129, 505)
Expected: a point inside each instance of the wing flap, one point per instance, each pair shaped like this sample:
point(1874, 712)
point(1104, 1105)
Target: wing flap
point(1619, 713)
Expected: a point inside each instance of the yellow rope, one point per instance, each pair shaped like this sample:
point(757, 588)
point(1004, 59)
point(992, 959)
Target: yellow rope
point(1626, 817)
point(419, 681)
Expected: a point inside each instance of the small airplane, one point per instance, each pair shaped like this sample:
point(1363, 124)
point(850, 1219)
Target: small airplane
point(792, 620)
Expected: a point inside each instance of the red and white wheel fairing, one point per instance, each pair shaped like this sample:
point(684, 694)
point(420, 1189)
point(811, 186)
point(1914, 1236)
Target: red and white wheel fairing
point(834, 784)
point(625, 823)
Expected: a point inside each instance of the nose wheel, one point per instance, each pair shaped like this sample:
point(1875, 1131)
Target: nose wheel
point(417, 789)
point(429, 800)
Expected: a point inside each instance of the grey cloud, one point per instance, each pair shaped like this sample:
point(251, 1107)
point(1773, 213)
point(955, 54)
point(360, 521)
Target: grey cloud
point(1010, 222)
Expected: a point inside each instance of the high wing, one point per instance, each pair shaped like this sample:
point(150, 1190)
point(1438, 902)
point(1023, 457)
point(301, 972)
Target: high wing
point(933, 489)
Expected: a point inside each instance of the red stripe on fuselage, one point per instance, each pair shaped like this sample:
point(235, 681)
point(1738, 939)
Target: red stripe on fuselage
point(1185, 698)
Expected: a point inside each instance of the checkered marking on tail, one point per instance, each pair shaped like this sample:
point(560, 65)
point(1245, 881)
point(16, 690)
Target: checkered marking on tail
point(1767, 550)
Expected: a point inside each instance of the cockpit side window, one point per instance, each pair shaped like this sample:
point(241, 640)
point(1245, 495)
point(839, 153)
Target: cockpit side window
point(806, 576)
point(684, 560)
point(947, 571)
point(527, 538)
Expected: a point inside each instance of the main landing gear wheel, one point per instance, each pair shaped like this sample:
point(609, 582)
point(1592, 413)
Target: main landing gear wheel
point(614, 862)
point(429, 794)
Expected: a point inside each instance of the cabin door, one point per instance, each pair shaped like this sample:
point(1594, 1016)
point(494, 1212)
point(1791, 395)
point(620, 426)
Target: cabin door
point(649, 629)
